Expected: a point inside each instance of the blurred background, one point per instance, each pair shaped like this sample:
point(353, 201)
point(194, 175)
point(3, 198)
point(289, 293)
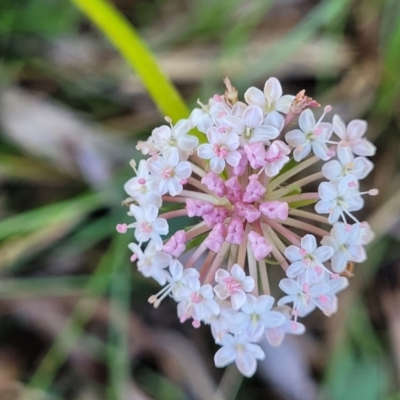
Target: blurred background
point(74, 317)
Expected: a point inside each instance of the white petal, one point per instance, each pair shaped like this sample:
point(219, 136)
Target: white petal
point(323, 207)
point(238, 299)
point(284, 103)
point(224, 356)
point(182, 127)
point(174, 186)
point(361, 167)
point(356, 129)
point(183, 170)
point(302, 151)
point(320, 150)
point(339, 127)
point(275, 119)
point(221, 274)
point(289, 286)
point(272, 90)
point(363, 148)
point(246, 364)
point(307, 121)
point(205, 151)
point(275, 336)
point(255, 96)
point(253, 117)
point(323, 253)
point(332, 169)
point(327, 191)
point(231, 141)
point(296, 138)
point(237, 272)
point(233, 158)
point(187, 142)
point(293, 253)
point(217, 164)
point(273, 319)
point(339, 262)
point(309, 243)
point(160, 225)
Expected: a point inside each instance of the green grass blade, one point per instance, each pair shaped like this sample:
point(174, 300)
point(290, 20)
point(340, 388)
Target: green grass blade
point(127, 41)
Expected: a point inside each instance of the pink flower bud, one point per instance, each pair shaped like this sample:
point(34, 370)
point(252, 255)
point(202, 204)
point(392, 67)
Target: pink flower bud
point(259, 245)
point(275, 209)
point(233, 189)
point(239, 170)
point(176, 244)
point(235, 231)
point(247, 211)
point(254, 192)
point(255, 153)
point(197, 207)
point(214, 183)
point(216, 238)
point(216, 216)
point(122, 228)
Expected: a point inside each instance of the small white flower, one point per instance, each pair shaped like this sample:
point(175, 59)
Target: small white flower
point(338, 198)
point(234, 284)
point(346, 242)
point(175, 139)
point(276, 335)
point(152, 262)
point(222, 147)
point(221, 324)
point(308, 259)
point(311, 136)
point(255, 316)
point(147, 225)
point(359, 167)
point(251, 128)
point(239, 350)
point(196, 302)
point(276, 157)
point(169, 173)
point(142, 186)
point(352, 137)
point(271, 100)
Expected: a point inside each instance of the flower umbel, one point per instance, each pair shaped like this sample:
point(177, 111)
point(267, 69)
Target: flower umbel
point(238, 179)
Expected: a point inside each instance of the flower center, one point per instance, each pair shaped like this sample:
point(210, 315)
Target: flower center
point(195, 297)
point(248, 132)
point(168, 173)
point(145, 227)
point(220, 151)
point(232, 285)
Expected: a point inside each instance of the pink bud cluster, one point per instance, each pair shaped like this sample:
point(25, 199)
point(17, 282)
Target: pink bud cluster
point(239, 170)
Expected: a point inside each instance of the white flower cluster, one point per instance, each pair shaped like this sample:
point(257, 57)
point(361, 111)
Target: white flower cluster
point(230, 167)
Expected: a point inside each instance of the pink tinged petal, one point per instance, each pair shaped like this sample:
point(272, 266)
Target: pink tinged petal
point(221, 274)
point(188, 142)
point(161, 133)
point(272, 90)
point(344, 155)
point(355, 203)
point(323, 253)
point(217, 164)
point(294, 328)
point(214, 136)
point(339, 127)
point(263, 303)
point(264, 134)
point(325, 131)
point(293, 253)
point(309, 243)
point(307, 121)
point(273, 319)
point(275, 119)
point(238, 299)
point(246, 364)
point(238, 109)
point(339, 262)
point(284, 103)
point(183, 170)
point(323, 207)
point(302, 151)
point(224, 356)
point(363, 148)
point(357, 253)
point(253, 117)
point(255, 350)
point(233, 158)
point(327, 303)
point(160, 225)
point(205, 151)
point(221, 291)
point(320, 150)
point(172, 158)
point(248, 284)
point(356, 129)
point(296, 138)
point(289, 286)
point(231, 141)
point(338, 284)
point(332, 169)
point(275, 336)
point(237, 272)
point(162, 187)
point(361, 167)
point(174, 186)
point(255, 96)
point(327, 191)
point(150, 212)
point(295, 269)
point(182, 127)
